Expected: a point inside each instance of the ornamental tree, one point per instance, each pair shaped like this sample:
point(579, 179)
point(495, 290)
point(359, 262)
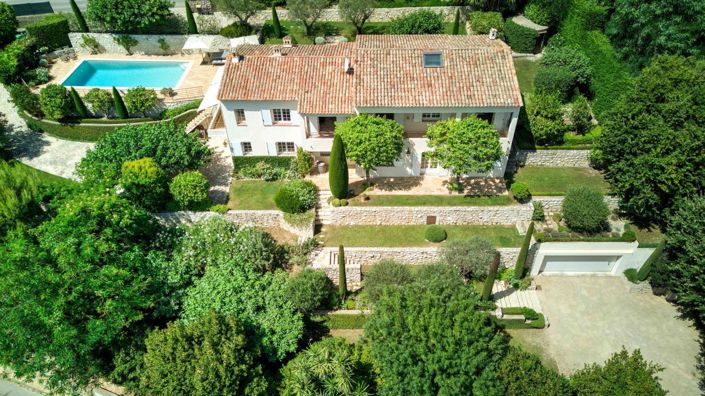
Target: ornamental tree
point(119, 105)
point(418, 22)
point(306, 11)
point(208, 356)
point(653, 143)
point(8, 24)
point(356, 12)
point(434, 341)
point(472, 257)
point(19, 191)
point(310, 290)
point(128, 16)
point(328, 367)
point(386, 273)
point(190, 21)
point(338, 172)
point(371, 141)
point(470, 145)
point(78, 104)
point(242, 10)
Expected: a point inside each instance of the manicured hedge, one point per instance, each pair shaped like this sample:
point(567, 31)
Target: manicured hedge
point(52, 31)
point(645, 269)
point(252, 160)
point(520, 38)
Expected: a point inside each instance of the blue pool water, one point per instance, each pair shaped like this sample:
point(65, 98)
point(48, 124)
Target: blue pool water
point(127, 74)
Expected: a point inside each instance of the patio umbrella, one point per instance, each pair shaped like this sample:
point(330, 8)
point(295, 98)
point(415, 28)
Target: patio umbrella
point(206, 43)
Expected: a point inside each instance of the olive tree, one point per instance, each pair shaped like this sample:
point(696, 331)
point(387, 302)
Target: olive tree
point(242, 10)
point(306, 11)
point(356, 12)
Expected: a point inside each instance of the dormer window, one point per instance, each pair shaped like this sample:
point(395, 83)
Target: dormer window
point(433, 59)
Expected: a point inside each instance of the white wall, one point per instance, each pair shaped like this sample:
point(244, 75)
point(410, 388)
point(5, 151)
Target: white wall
point(628, 255)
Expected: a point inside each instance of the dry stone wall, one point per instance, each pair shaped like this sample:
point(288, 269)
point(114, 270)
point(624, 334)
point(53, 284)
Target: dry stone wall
point(552, 158)
point(258, 218)
point(553, 204)
point(331, 14)
point(147, 44)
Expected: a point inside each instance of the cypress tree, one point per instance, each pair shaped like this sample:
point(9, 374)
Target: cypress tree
point(342, 277)
point(523, 253)
point(192, 28)
point(78, 104)
point(338, 172)
point(79, 17)
point(275, 22)
point(489, 282)
point(120, 109)
point(456, 22)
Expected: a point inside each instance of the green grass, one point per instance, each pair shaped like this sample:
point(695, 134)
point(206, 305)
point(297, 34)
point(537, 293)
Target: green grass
point(341, 321)
point(44, 177)
point(431, 200)
point(253, 194)
point(651, 236)
point(413, 235)
point(556, 181)
point(526, 72)
point(411, 3)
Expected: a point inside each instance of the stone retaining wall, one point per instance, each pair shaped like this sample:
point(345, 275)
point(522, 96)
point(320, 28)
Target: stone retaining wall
point(552, 158)
point(379, 215)
point(148, 44)
point(379, 15)
point(553, 204)
point(325, 259)
point(258, 218)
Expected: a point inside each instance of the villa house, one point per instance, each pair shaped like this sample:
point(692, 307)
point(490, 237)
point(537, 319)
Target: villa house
point(277, 98)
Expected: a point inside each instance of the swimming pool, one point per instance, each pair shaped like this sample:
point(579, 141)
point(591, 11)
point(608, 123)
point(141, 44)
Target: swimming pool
point(127, 74)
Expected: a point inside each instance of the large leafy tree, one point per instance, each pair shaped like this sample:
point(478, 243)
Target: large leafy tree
point(356, 12)
point(19, 195)
point(206, 357)
point(686, 262)
point(77, 289)
point(642, 29)
point(242, 10)
point(166, 143)
point(306, 11)
point(432, 339)
point(328, 367)
point(622, 374)
point(470, 145)
point(653, 143)
point(522, 373)
point(128, 16)
point(371, 141)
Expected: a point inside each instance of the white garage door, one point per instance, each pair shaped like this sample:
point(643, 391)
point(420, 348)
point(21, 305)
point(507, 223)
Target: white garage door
point(578, 263)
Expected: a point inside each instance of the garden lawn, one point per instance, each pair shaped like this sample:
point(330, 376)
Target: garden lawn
point(431, 200)
point(526, 72)
point(413, 235)
point(556, 181)
point(647, 237)
point(253, 195)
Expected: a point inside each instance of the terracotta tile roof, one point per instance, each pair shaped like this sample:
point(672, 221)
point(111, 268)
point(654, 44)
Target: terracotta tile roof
point(476, 72)
point(388, 72)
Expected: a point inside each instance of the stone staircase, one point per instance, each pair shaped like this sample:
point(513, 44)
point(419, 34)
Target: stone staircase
point(323, 209)
point(200, 117)
point(506, 296)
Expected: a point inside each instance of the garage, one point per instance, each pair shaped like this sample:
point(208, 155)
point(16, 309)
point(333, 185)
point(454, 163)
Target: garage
point(578, 264)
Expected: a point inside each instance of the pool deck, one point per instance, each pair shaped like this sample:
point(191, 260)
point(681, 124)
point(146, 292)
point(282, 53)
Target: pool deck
point(193, 86)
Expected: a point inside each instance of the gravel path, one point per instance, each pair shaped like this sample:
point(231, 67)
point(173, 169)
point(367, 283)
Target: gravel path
point(38, 150)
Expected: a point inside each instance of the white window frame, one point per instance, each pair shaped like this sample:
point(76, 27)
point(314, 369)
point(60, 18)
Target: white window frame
point(427, 65)
point(430, 117)
point(240, 118)
point(286, 146)
point(281, 116)
point(244, 150)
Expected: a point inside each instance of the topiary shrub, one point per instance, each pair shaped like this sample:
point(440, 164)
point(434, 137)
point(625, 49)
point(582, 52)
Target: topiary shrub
point(417, 22)
point(52, 32)
point(78, 104)
point(296, 196)
point(189, 189)
point(310, 290)
point(632, 275)
point(119, 105)
point(472, 257)
point(144, 183)
point(483, 22)
point(520, 38)
point(319, 40)
point(55, 102)
point(519, 267)
point(338, 172)
point(384, 274)
point(520, 191)
point(435, 233)
point(584, 209)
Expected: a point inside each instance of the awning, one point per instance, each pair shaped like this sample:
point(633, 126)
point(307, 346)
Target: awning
point(211, 97)
point(206, 43)
point(234, 42)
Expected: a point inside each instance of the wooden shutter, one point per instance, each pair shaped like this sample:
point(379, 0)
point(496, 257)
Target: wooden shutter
point(266, 117)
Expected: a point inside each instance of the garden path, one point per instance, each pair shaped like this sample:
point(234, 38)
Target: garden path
point(219, 171)
point(49, 154)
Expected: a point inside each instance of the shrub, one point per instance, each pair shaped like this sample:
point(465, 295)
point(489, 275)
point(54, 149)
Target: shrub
point(585, 210)
point(417, 22)
point(435, 233)
point(100, 101)
point(297, 196)
point(189, 189)
point(342, 274)
point(520, 191)
point(580, 115)
point(489, 280)
point(236, 30)
point(310, 290)
point(163, 45)
point(538, 214)
point(140, 100)
point(319, 40)
point(554, 80)
point(386, 273)
point(220, 208)
point(303, 163)
point(52, 31)
point(562, 71)
point(520, 38)
point(482, 22)
point(180, 109)
point(645, 269)
point(55, 102)
point(632, 275)
point(537, 13)
point(472, 257)
point(126, 41)
point(23, 97)
point(91, 44)
point(519, 268)
point(144, 183)
point(8, 24)
point(546, 119)
point(628, 235)
point(16, 58)
point(36, 76)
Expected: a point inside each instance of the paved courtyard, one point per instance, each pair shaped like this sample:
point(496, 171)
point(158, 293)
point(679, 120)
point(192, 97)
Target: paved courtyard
point(593, 317)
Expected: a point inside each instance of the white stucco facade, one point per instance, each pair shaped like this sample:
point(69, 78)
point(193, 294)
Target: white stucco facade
point(588, 258)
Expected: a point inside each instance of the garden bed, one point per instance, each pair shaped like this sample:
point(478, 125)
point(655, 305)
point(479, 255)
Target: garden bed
point(431, 200)
point(556, 181)
point(341, 321)
point(532, 319)
point(413, 235)
point(253, 194)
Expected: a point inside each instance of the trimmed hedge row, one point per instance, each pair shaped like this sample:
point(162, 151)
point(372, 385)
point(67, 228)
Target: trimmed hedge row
point(52, 31)
point(520, 38)
point(252, 160)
